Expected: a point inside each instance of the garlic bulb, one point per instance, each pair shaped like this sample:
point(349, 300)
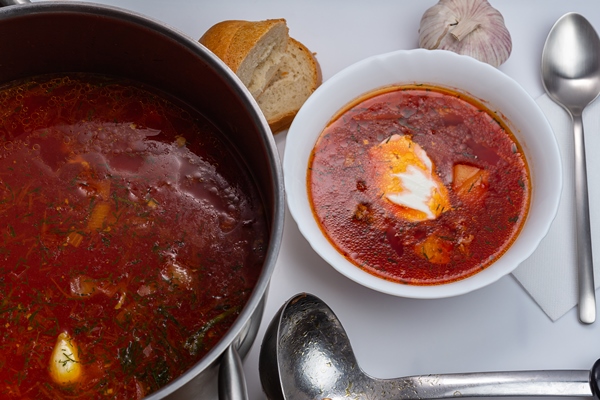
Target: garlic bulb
point(470, 27)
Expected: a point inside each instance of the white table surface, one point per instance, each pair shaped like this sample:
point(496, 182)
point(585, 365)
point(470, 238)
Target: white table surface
point(496, 328)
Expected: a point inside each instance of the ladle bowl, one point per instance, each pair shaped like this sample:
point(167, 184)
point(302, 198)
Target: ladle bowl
point(306, 355)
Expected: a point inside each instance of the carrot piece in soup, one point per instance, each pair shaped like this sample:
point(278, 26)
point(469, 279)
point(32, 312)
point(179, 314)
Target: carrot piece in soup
point(74, 239)
point(98, 215)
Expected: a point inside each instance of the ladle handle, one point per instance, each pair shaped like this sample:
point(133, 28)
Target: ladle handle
point(500, 384)
point(585, 265)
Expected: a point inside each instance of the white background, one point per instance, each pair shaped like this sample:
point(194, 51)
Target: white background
point(496, 328)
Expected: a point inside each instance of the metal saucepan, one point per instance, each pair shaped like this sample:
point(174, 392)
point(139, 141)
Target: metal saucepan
point(50, 37)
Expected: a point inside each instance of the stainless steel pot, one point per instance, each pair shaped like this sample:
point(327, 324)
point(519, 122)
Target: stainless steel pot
point(49, 37)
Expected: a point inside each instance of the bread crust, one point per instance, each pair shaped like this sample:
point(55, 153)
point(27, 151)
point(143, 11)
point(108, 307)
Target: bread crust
point(232, 40)
point(280, 98)
point(219, 37)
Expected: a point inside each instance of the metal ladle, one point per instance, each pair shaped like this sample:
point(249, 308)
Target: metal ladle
point(306, 355)
point(571, 77)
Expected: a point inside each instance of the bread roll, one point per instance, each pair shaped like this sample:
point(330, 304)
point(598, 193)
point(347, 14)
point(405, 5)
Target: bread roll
point(280, 72)
point(253, 50)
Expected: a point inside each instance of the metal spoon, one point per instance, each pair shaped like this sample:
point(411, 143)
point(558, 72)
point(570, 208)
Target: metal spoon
point(571, 77)
point(306, 355)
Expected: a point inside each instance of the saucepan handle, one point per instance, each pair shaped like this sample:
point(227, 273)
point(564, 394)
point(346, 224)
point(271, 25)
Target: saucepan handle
point(232, 382)
point(13, 2)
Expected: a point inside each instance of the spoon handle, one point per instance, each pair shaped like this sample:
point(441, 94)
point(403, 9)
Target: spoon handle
point(496, 384)
point(585, 266)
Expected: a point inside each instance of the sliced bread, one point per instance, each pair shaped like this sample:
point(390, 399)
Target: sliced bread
point(280, 72)
point(298, 76)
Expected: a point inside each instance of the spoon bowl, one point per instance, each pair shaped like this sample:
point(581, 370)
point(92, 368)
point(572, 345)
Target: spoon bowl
point(571, 63)
point(571, 77)
point(306, 355)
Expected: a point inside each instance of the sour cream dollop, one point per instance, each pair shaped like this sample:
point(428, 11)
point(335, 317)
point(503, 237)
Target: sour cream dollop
point(406, 176)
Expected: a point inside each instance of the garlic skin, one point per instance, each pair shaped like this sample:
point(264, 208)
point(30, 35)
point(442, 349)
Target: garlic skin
point(469, 27)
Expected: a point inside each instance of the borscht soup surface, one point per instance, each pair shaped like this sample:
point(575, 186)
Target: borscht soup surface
point(132, 238)
point(419, 185)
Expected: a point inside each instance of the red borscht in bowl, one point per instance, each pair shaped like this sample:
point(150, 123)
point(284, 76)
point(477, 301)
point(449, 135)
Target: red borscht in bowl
point(422, 173)
point(419, 185)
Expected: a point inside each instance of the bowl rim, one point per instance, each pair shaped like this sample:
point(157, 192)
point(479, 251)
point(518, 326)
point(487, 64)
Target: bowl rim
point(455, 72)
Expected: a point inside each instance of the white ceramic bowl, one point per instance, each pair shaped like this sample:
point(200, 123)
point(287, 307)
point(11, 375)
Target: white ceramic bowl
point(441, 68)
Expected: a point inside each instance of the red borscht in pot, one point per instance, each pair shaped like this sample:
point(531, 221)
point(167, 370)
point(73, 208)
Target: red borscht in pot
point(133, 237)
